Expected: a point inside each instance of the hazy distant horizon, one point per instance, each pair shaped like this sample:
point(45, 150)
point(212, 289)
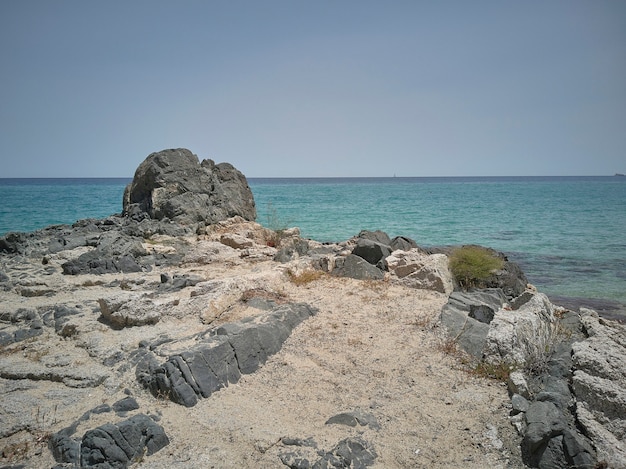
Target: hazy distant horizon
point(551, 176)
point(315, 89)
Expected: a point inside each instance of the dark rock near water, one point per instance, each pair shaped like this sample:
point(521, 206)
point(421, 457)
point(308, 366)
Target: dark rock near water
point(372, 251)
point(172, 194)
point(356, 267)
point(402, 243)
point(377, 236)
point(173, 184)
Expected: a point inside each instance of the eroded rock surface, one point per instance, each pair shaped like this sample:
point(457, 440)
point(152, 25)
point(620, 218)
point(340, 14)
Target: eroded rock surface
point(174, 184)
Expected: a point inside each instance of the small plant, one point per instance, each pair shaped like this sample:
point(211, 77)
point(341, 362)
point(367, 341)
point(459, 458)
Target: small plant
point(538, 341)
point(304, 277)
point(15, 451)
point(260, 293)
point(499, 371)
point(422, 321)
point(449, 346)
point(275, 225)
point(472, 264)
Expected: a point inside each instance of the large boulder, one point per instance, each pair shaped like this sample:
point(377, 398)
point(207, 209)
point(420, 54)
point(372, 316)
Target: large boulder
point(173, 184)
point(416, 269)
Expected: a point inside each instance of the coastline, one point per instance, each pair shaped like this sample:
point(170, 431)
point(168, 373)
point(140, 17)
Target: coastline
point(223, 342)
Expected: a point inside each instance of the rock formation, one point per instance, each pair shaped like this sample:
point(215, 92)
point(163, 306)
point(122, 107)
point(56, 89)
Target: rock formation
point(173, 184)
point(567, 392)
point(117, 334)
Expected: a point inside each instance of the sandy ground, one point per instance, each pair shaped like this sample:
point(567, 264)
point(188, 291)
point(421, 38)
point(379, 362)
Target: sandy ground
point(373, 347)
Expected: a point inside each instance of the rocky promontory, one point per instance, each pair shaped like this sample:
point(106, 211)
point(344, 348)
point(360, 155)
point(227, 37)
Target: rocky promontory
point(182, 334)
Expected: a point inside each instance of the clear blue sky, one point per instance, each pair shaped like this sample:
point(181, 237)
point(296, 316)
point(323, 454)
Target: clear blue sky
point(292, 88)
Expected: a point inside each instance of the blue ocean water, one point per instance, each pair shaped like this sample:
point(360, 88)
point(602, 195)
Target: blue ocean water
point(568, 233)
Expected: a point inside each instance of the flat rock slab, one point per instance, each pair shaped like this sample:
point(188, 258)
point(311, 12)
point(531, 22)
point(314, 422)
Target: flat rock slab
point(233, 349)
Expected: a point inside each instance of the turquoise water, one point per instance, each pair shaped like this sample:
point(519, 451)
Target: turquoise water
point(569, 234)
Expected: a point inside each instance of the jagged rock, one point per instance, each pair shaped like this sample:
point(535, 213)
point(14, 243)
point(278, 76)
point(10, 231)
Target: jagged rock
point(220, 359)
point(510, 278)
point(354, 418)
point(517, 384)
point(128, 313)
point(125, 405)
point(372, 251)
point(514, 336)
point(416, 269)
point(377, 236)
point(544, 421)
point(464, 317)
point(173, 184)
point(519, 404)
point(598, 384)
point(110, 446)
point(236, 241)
point(352, 453)
point(356, 267)
point(402, 243)
point(291, 250)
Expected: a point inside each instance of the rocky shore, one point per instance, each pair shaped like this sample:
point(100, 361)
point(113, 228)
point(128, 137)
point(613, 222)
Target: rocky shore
point(182, 334)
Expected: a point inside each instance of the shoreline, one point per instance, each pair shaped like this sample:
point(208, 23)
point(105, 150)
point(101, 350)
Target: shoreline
point(609, 309)
point(232, 344)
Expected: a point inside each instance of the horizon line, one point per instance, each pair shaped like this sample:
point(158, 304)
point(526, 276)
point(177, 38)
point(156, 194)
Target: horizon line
point(343, 177)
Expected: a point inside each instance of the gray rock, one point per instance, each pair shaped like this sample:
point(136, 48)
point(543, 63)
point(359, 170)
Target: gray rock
point(356, 267)
point(417, 269)
point(402, 243)
point(352, 419)
point(121, 313)
point(220, 359)
point(125, 405)
point(544, 422)
point(578, 450)
point(372, 251)
point(466, 317)
point(519, 404)
point(377, 236)
point(118, 445)
point(353, 453)
point(173, 184)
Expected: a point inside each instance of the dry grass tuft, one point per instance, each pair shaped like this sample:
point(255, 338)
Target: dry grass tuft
point(264, 295)
point(304, 277)
point(499, 371)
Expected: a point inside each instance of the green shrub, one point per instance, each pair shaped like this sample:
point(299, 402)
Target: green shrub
point(472, 264)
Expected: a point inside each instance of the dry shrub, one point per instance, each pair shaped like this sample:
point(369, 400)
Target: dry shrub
point(263, 294)
point(472, 264)
point(15, 451)
point(422, 321)
point(449, 346)
point(304, 277)
point(539, 340)
point(499, 371)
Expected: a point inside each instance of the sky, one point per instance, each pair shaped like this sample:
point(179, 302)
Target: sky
point(290, 88)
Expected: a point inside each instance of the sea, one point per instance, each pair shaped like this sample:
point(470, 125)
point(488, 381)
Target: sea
point(567, 233)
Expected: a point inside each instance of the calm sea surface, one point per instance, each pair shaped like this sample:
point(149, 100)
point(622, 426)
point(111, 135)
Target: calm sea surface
point(568, 233)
